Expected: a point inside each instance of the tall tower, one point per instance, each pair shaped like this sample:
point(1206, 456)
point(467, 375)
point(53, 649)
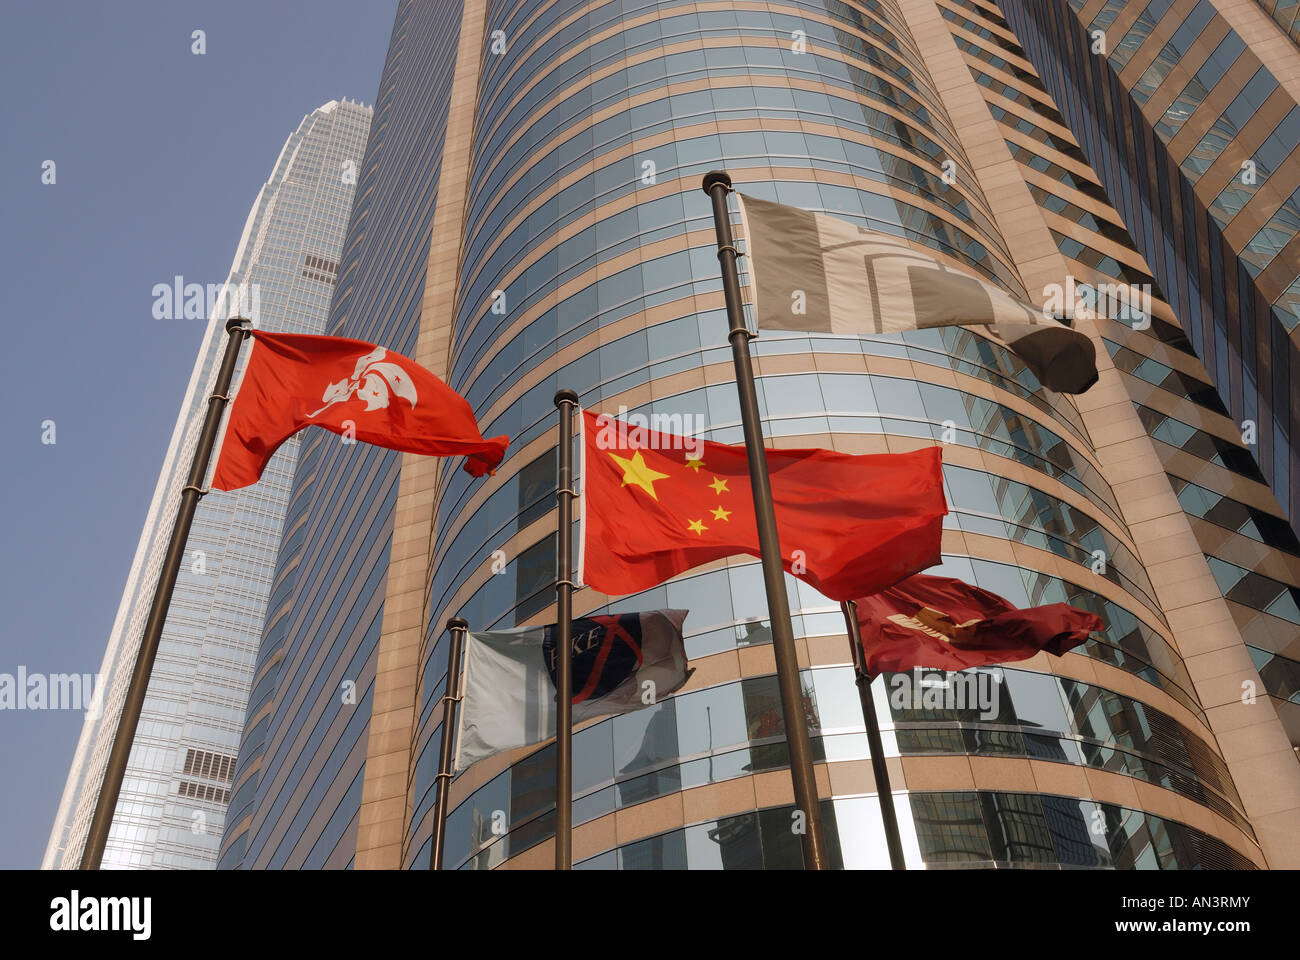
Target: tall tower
point(177, 784)
point(1191, 114)
point(1189, 111)
point(559, 238)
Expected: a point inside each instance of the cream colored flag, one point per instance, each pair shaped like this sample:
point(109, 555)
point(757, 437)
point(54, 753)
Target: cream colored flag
point(621, 662)
point(818, 273)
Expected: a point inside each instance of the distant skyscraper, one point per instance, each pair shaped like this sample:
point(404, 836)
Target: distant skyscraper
point(177, 786)
point(531, 219)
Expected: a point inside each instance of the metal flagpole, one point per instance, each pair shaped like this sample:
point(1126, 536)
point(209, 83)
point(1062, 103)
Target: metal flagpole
point(457, 627)
point(567, 403)
point(717, 184)
point(106, 803)
point(878, 766)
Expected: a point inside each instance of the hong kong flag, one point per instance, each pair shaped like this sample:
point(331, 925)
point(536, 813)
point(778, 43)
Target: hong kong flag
point(349, 387)
point(656, 504)
point(940, 622)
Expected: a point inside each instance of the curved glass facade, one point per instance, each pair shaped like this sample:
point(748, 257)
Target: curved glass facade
point(734, 730)
point(589, 263)
point(1210, 190)
point(954, 829)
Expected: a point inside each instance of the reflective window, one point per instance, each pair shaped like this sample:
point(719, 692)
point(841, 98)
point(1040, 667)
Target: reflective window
point(1244, 106)
point(1204, 445)
point(1004, 829)
point(1199, 87)
point(1256, 590)
point(1175, 50)
point(952, 829)
point(1138, 33)
point(736, 729)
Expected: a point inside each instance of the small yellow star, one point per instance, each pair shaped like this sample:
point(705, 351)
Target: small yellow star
point(698, 526)
point(637, 473)
point(695, 463)
point(720, 514)
point(719, 486)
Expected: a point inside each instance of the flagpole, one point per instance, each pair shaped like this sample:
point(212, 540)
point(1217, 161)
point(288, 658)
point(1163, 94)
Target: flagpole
point(878, 766)
point(717, 184)
point(457, 627)
point(115, 770)
point(567, 403)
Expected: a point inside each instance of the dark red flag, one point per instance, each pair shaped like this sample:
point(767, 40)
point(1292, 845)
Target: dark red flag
point(655, 505)
point(946, 624)
point(346, 386)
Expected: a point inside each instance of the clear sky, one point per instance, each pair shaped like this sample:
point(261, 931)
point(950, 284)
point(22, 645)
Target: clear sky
point(159, 154)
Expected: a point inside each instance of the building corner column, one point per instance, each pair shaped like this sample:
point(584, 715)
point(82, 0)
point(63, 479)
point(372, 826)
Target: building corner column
point(1249, 734)
point(385, 804)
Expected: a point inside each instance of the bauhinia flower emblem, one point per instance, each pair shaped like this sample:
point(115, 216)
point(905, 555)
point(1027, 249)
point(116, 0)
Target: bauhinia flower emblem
point(373, 381)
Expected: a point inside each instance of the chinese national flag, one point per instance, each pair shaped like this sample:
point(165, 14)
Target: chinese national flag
point(297, 380)
point(848, 525)
point(944, 623)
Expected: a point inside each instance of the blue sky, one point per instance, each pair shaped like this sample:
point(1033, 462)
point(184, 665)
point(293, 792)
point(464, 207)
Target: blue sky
point(158, 155)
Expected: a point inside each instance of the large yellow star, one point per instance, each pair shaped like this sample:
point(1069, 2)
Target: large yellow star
point(698, 526)
point(637, 473)
point(719, 486)
point(720, 514)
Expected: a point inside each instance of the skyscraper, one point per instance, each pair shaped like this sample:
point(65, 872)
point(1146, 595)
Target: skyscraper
point(174, 796)
point(1189, 113)
point(531, 219)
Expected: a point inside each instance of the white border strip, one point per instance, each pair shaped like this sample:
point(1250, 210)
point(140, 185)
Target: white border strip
point(582, 497)
point(456, 765)
point(749, 258)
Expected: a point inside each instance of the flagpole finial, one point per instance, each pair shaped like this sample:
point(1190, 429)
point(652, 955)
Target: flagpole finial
point(566, 396)
point(715, 177)
point(237, 323)
point(457, 623)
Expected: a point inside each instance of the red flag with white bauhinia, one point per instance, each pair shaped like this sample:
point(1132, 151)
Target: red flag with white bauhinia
point(944, 623)
point(347, 387)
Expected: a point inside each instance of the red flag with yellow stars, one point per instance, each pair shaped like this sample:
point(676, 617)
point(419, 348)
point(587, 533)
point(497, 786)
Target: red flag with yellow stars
point(654, 505)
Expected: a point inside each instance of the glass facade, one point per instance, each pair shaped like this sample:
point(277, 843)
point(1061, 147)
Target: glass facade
point(1168, 146)
point(297, 783)
point(1284, 13)
point(611, 282)
point(734, 730)
point(586, 260)
point(953, 830)
point(1212, 187)
point(174, 797)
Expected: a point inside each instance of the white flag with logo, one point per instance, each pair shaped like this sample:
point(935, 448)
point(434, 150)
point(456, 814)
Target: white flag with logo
point(817, 273)
point(621, 662)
